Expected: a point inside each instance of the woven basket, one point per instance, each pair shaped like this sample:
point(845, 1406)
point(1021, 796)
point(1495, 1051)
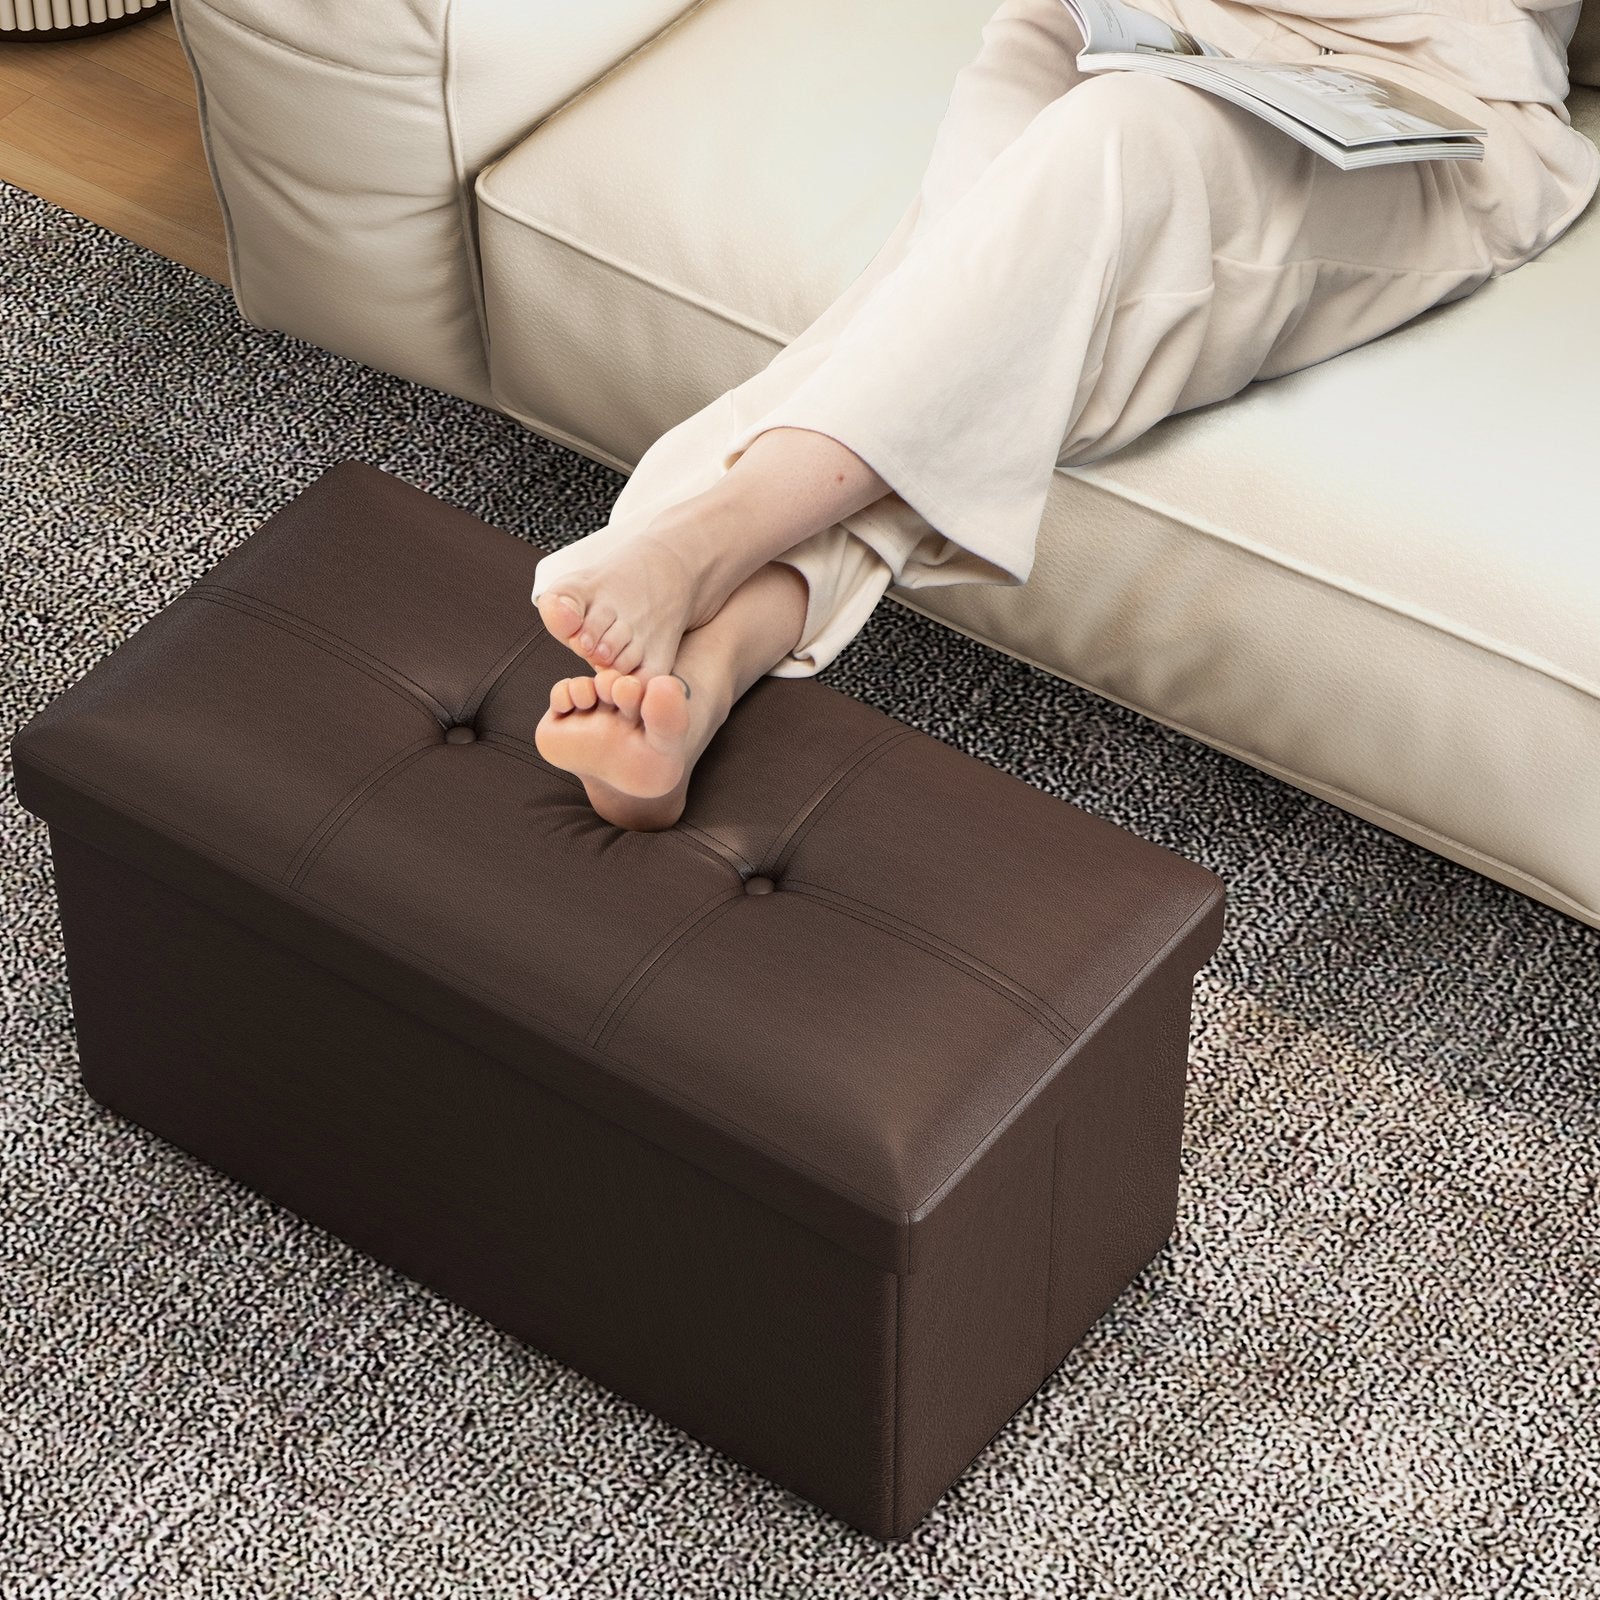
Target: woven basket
point(23, 20)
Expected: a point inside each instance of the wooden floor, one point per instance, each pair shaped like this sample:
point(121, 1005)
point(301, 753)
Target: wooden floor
point(106, 127)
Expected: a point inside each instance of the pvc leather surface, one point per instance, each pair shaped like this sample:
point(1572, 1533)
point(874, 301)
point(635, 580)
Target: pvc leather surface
point(857, 960)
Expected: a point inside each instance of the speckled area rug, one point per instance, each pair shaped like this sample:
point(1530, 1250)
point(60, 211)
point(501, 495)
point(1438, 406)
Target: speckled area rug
point(1364, 1366)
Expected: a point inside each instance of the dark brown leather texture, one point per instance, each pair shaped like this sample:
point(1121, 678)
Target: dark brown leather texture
point(824, 1123)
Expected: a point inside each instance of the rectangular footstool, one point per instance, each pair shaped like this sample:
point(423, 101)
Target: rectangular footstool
point(823, 1124)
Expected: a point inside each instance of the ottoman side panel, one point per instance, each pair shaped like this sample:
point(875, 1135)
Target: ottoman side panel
point(971, 1320)
point(1023, 1254)
point(1118, 1149)
point(671, 1287)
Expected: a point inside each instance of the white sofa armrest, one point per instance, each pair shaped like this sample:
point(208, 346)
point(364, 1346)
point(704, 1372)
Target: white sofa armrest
point(344, 141)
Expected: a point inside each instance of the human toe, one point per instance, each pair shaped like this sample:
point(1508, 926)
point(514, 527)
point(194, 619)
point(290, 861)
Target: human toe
point(596, 620)
point(628, 693)
point(628, 657)
point(664, 709)
point(610, 645)
point(561, 613)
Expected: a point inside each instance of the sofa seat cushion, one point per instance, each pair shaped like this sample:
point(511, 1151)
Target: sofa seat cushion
point(1376, 577)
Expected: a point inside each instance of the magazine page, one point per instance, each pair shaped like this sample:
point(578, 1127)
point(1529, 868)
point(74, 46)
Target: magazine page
point(1370, 152)
point(1109, 26)
point(1351, 118)
point(1350, 107)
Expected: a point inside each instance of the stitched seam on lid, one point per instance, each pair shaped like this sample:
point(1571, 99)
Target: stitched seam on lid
point(714, 846)
point(215, 856)
point(1188, 920)
point(333, 822)
point(501, 670)
point(352, 654)
point(826, 792)
point(508, 744)
point(645, 972)
point(1040, 1010)
point(1192, 915)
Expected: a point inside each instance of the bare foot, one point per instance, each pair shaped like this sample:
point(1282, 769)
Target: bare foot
point(629, 740)
point(631, 608)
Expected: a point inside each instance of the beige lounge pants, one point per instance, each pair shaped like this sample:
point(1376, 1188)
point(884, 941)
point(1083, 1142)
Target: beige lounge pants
point(1086, 255)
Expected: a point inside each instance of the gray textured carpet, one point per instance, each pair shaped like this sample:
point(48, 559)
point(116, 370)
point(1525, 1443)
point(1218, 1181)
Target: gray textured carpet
point(1366, 1364)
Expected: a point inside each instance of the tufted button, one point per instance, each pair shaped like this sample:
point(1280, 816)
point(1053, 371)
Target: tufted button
point(759, 885)
point(460, 734)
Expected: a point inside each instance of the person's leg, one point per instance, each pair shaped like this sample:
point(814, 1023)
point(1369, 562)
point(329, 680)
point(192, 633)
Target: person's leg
point(1027, 58)
point(1139, 249)
point(632, 607)
point(635, 741)
point(623, 595)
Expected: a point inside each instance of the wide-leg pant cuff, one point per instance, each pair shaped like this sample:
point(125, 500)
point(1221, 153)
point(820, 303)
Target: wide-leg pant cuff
point(899, 540)
point(845, 578)
point(922, 531)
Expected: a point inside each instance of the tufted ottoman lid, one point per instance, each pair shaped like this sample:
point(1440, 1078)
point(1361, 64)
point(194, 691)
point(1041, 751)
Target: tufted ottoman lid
point(860, 964)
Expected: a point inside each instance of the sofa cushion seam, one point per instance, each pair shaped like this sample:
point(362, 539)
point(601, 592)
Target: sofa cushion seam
point(307, 55)
point(1275, 769)
point(630, 269)
point(203, 116)
point(465, 214)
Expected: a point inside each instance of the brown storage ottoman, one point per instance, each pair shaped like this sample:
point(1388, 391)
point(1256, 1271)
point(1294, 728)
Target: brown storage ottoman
point(823, 1124)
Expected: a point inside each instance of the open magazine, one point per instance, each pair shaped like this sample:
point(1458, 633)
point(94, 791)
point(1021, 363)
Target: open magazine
point(1351, 118)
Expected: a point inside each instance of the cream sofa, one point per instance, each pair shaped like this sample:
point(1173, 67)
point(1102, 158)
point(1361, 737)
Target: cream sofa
point(1373, 578)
